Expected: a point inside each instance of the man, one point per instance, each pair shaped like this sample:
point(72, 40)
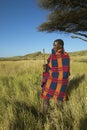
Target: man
point(55, 77)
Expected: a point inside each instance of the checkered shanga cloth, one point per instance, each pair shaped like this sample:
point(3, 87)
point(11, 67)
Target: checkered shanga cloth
point(55, 78)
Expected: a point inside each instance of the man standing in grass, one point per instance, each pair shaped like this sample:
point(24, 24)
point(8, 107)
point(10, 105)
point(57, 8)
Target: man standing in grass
point(55, 76)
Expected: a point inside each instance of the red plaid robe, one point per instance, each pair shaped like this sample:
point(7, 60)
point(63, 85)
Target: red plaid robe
point(55, 79)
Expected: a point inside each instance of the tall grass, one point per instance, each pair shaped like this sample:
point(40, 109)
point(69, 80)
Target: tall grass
point(21, 103)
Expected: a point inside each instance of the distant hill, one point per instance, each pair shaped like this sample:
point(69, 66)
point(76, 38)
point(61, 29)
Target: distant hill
point(32, 56)
point(80, 55)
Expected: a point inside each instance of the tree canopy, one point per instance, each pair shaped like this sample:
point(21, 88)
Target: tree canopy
point(65, 15)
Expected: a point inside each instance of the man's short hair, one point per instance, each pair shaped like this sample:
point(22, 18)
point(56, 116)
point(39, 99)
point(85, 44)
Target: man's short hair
point(60, 42)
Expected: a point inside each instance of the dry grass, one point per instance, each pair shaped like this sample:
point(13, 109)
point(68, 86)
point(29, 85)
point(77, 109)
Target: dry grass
point(21, 103)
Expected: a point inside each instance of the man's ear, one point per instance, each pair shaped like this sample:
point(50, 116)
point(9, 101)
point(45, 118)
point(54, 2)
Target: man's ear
point(59, 46)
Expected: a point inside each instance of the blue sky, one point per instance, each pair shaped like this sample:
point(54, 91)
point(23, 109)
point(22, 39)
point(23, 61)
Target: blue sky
point(19, 20)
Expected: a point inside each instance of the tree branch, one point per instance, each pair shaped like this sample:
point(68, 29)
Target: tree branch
point(85, 35)
point(79, 38)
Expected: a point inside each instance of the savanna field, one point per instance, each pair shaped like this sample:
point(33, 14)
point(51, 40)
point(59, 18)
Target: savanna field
point(21, 102)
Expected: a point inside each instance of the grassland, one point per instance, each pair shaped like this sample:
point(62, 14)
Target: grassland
point(20, 97)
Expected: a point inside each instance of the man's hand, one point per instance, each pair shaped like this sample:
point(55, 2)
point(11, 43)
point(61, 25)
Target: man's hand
point(44, 67)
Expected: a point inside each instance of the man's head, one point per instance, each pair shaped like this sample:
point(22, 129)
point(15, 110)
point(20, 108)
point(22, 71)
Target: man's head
point(58, 44)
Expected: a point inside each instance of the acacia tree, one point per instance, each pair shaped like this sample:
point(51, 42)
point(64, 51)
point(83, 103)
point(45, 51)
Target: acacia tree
point(68, 16)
